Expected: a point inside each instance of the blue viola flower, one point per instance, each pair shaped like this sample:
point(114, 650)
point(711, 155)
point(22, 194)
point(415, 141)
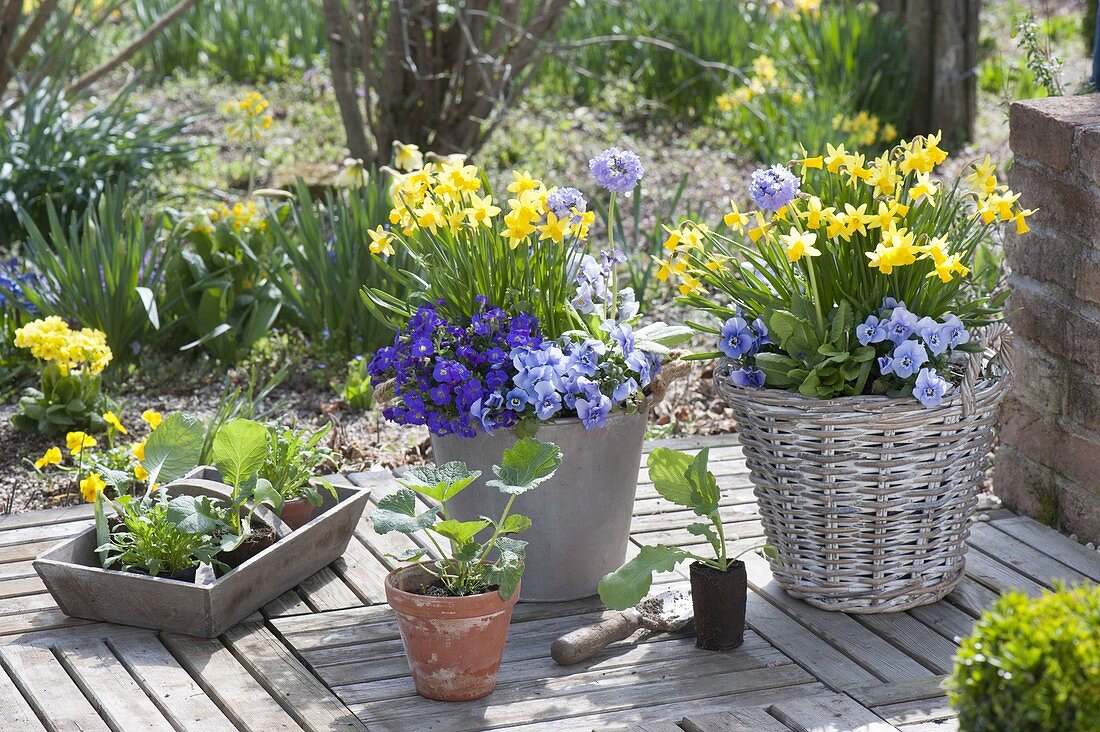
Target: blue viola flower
point(760, 328)
point(593, 412)
point(954, 332)
point(885, 365)
point(748, 378)
point(908, 358)
point(901, 325)
point(516, 400)
point(737, 338)
point(934, 337)
point(624, 390)
point(871, 330)
point(930, 388)
point(546, 400)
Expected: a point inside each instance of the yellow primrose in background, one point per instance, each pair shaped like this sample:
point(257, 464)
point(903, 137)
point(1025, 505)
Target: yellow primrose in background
point(52, 456)
point(112, 421)
point(140, 473)
point(78, 441)
point(138, 450)
point(92, 486)
point(152, 418)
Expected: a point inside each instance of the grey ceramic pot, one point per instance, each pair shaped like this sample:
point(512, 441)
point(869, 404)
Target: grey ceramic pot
point(580, 517)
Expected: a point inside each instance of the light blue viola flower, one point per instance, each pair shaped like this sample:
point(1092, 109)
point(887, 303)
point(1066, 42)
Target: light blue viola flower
point(908, 358)
point(954, 332)
point(885, 365)
point(871, 330)
point(930, 388)
point(760, 328)
point(515, 400)
point(624, 390)
point(593, 413)
point(901, 325)
point(547, 401)
point(933, 336)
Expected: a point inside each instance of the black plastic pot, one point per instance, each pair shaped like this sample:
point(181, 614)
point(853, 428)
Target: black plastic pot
point(718, 599)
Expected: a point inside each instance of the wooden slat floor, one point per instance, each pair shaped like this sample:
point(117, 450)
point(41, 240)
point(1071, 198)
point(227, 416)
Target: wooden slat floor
point(327, 654)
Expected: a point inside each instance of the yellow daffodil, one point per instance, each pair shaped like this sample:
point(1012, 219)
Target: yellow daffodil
point(814, 213)
point(481, 210)
point(924, 187)
point(92, 486)
point(807, 163)
point(52, 456)
point(138, 450)
point(936, 250)
point(1019, 218)
point(884, 176)
point(690, 284)
point(112, 421)
point(430, 216)
point(407, 157)
point(983, 178)
point(381, 241)
point(522, 181)
point(77, 442)
point(798, 244)
point(554, 229)
point(152, 418)
point(948, 267)
point(669, 268)
point(735, 219)
point(761, 229)
point(836, 158)
point(889, 132)
point(672, 242)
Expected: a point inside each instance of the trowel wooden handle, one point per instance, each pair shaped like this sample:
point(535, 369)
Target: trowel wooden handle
point(586, 642)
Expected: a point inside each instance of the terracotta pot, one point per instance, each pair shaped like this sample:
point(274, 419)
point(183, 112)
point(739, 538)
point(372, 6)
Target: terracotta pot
point(718, 599)
point(296, 512)
point(453, 644)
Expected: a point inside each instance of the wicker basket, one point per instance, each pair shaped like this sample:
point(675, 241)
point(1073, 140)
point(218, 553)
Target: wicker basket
point(868, 500)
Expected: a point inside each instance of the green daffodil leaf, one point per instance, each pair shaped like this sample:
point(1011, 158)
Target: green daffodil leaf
point(525, 465)
point(397, 512)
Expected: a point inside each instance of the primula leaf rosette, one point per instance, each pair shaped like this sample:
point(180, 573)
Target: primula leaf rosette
point(851, 275)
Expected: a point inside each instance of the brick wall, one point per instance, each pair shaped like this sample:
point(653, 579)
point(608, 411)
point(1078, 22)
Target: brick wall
point(1048, 464)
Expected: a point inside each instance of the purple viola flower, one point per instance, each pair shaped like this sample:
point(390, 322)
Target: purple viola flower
point(585, 357)
point(930, 388)
point(954, 332)
point(593, 413)
point(908, 358)
point(901, 325)
point(422, 347)
point(773, 188)
point(737, 338)
point(496, 379)
point(547, 401)
point(440, 395)
point(566, 201)
point(871, 331)
point(617, 171)
point(748, 378)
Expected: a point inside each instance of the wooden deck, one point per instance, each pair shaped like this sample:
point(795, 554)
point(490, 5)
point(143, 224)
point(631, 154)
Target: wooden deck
point(327, 656)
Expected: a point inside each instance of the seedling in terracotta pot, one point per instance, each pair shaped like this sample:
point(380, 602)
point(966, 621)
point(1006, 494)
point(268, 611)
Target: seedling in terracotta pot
point(293, 458)
point(453, 612)
point(719, 584)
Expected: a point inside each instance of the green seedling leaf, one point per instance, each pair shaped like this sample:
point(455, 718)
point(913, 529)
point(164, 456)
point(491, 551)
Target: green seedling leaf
point(264, 492)
point(173, 449)
point(240, 448)
point(506, 572)
point(515, 524)
point(704, 488)
point(194, 514)
point(397, 512)
point(668, 471)
point(627, 585)
point(525, 465)
point(441, 483)
point(707, 532)
point(460, 532)
point(466, 551)
point(409, 555)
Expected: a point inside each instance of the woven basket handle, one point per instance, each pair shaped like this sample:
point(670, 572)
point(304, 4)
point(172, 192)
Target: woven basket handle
point(996, 356)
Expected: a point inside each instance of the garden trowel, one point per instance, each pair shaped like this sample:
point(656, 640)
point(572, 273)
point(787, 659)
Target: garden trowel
point(667, 612)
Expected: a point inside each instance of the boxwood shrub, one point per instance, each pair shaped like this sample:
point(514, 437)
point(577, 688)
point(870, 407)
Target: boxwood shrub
point(1032, 665)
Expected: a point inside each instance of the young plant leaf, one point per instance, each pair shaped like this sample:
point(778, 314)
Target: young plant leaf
point(240, 448)
point(194, 514)
point(173, 448)
point(704, 488)
point(397, 512)
point(525, 465)
point(668, 471)
point(409, 555)
point(506, 572)
point(460, 532)
point(707, 531)
point(441, 483)
point(515, 524)
point(264, 492)
point(627, 585)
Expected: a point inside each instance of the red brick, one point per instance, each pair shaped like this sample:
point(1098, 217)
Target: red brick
point(1065, 208)
point(1038, 378)
point(1088, 153)
point(1079, 511)
point(1045, 256)
point(1070, 453)
point(1037, 314)
point(1084, 331)
point(1043, 129)
point(1083, 400)
point(1024, 485)
point(1086, 275)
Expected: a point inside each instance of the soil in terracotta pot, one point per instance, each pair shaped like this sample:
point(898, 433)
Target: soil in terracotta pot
point(261, 538)
point(437, 589)
point(718, 599)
